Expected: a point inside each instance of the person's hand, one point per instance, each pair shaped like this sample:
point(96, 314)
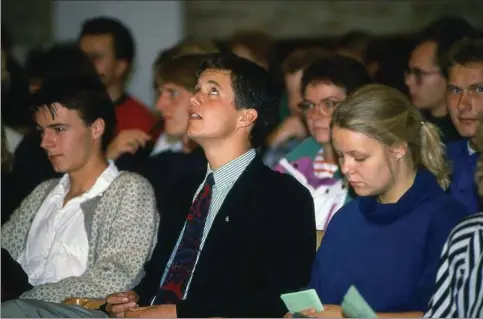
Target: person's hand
point(330, 311)
point(119, 303)
point(291, 127)
point(158, 311)
point(127, 141)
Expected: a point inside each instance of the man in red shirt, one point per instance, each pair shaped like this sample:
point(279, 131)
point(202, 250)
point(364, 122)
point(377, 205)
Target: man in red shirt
point(110, 46)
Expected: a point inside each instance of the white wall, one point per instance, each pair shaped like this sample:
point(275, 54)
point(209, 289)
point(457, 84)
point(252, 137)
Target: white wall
point(155, 25)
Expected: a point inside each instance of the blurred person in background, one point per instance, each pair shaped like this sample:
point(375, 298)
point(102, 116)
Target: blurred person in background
point(464, 96)
point(325, 84)
point(110, 46)
point(424, 75)
point(293, 129)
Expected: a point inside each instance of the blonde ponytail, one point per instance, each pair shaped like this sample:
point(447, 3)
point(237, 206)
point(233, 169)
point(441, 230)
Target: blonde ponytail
point(387, 115)
point(433, 154)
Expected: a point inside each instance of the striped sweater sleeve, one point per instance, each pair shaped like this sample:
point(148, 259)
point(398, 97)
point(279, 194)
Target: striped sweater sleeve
point(459, 282)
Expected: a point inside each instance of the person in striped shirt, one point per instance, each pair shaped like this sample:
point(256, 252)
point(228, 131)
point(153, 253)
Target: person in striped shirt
point(459, 283)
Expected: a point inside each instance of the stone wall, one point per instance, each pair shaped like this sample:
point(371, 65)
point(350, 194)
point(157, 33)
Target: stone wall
point(311, 19)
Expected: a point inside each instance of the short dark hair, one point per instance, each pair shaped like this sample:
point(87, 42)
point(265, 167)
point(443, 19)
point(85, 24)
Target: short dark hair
point(345, 72)
point(85, 94)
point(62, 59)
point(464, 52)
point(121, 36)
point(445, 31)
point(253, 88)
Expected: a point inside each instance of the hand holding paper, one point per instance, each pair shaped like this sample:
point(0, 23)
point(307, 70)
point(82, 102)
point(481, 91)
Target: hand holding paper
point(355, 306)
point(303, 300)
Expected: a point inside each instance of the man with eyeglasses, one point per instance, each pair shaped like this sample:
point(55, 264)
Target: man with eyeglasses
point(424, 78)
point(325, 84)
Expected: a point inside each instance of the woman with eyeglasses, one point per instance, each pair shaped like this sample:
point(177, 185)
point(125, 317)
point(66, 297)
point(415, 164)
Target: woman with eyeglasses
point(325, 84)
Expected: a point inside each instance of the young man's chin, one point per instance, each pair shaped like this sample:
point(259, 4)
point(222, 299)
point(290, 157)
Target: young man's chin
point(466, 132)
point(192, 134)
point(59, 168)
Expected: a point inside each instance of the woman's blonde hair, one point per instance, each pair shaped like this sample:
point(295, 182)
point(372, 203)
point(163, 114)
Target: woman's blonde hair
point(479, 165)
point(386, 115)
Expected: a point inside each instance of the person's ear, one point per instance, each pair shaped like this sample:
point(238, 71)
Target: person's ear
point(248, 117)
point(400, 150)
point(122, 67)
point(97, 128)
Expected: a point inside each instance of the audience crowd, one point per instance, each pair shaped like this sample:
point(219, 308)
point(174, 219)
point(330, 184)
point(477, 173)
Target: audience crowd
point(251, 178)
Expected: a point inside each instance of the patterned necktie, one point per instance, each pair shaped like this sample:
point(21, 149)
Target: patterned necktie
point(179, 273)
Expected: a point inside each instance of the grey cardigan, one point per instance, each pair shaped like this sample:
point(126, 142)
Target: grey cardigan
point(121, 226)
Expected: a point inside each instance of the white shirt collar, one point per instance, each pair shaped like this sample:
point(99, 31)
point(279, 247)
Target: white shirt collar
point(471, 151)
point(101, 184)
point(164, 144)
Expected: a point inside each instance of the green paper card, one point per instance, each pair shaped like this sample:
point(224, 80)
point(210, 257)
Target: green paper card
point(355, 306)
point(302, 300)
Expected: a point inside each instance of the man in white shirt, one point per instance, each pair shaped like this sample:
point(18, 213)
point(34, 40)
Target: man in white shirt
point(88, 234)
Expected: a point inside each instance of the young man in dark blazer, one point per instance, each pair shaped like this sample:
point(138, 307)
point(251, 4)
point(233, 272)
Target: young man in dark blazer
point(257, 238)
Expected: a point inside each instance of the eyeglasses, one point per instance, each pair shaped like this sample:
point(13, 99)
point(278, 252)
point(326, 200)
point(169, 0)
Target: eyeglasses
point(419, 74)
point(325, 106)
